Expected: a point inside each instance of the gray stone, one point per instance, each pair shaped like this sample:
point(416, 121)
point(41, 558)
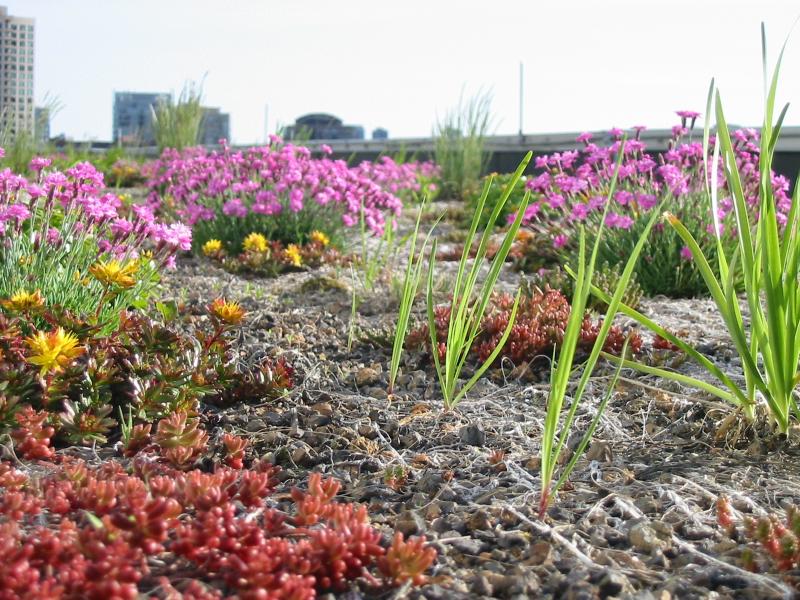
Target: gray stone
point(612, 584)
point(255, 425)
point(410, 522)
point(644, 538)
point(473, 435)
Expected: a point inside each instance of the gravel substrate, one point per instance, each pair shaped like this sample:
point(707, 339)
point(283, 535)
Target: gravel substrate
point(637, 519)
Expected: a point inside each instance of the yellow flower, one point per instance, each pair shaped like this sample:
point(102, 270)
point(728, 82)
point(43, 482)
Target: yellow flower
point(212, 247)
point(53, 351)
point(255, 242)
point(115, 273)
point(23, 301)
point(227, 312)
point(292, 253)
point(320, 238)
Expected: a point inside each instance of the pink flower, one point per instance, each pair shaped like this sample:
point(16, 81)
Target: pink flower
point(555, 200)
point(234, 208)
point(144, 212)
point(686, 253)
point(35, 191)
point(176, 236)
point(296, 200)
point(579, 212)
point(646, 201)
point(614, 220)
point(121, 227)
point(39, 163)
point(19, 212)
point(53, 236)
point(623, 197)
point(560, 241)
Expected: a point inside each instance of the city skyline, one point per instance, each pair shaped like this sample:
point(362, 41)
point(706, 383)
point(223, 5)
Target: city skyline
point(16, 72)
point(276, 61)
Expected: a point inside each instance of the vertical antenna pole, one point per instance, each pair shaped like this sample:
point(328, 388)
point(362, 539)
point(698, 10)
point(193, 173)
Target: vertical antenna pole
point(521, 75)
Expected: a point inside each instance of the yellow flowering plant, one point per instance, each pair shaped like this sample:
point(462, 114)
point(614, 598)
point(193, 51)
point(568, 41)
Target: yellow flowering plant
point(255, 242)
point(61, 224)
point(226, 312)
point(115, 274)
point(77, 374)
point(263, 256)
point(319, 237)
point(213, 249)
point(24, 302)
point(293, 256)
point(53, 351)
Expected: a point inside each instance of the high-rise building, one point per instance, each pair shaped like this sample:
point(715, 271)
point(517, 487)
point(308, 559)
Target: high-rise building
point(16, 73)
point(133, 117)
point(216, 126)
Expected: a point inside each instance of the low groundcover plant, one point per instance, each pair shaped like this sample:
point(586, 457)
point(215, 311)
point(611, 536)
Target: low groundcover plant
point(119, 529)
point(122, 526)
point(571, 188)
point(265, 257)
point(65, 241)
point(280, 191)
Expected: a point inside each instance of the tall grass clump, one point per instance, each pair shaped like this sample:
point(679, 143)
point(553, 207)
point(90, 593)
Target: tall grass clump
point(410, 285)
point(768, 253)
point(65, 243)
point(557, 430)
point(177, 124)
point(470, 299)
point(460, 137)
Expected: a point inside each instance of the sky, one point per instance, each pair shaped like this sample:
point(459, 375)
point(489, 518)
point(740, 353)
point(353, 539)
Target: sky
point(588, 64)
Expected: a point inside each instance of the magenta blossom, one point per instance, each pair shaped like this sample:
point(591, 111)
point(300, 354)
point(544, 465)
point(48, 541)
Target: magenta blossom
point(39, 163)
point(234, 208)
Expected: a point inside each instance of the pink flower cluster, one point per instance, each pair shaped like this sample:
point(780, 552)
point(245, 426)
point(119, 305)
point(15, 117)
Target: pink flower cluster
point(69, 208)
point(399, 177)
point(269, 180)
point(574, 184)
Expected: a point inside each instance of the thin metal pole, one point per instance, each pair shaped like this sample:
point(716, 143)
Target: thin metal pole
point(521, 75)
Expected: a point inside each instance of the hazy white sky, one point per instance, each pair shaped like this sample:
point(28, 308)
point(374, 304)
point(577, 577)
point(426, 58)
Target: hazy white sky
point(589, 64)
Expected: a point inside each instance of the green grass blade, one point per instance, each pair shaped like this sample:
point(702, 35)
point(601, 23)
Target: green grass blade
point(587, 436)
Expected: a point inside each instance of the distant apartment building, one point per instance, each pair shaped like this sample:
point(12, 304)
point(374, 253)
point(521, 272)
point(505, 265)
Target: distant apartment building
point(133, 117)
point(321, 126)
point(216, 126)
point(16, 73)
point(379, 133)
point(41, 123)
